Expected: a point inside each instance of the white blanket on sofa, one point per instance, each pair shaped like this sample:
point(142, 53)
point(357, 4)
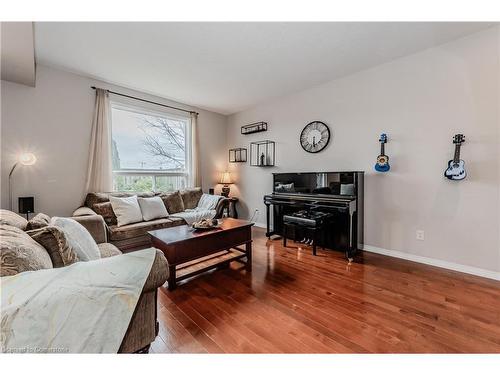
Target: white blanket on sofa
point(209, 201)
point(83, 308)
point(194, 215)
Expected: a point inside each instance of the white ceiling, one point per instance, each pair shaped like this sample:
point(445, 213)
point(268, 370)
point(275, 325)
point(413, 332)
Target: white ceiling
point(227, 67)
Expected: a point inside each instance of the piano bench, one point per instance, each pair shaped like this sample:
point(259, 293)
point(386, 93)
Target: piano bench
point(314, 230)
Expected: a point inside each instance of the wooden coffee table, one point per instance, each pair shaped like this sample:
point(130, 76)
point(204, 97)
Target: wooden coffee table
point(191, 252)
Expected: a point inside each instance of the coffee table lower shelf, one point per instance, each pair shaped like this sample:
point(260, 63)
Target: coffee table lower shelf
point(219, 259)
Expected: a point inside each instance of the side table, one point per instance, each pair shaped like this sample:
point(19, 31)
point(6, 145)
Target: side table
point(231, 208)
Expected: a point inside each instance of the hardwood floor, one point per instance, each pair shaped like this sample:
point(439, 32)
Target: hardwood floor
point(293, 302)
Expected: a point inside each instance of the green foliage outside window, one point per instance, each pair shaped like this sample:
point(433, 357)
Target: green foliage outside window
point(133, 183)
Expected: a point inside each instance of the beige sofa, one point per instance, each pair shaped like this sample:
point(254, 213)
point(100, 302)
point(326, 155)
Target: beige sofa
point(133, 236)
point(143, 327)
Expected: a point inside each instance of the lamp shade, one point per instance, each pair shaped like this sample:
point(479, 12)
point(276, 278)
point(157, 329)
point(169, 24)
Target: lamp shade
point(27, 159)
point(225, 178)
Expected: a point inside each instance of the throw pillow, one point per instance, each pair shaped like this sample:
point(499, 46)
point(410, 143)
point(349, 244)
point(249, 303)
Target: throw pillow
point(20, 253)
point(10, 218)
point(127, 210)
point(55, 242)
point(152, 208)
point(173, 202)
point(191, 197)
point(39, 221)
point(106, 211)
point(78, 238)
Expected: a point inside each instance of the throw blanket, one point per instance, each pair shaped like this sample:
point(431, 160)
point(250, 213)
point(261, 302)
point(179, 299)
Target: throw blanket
point(209, 201)
point(192, 216)
point(82, 308)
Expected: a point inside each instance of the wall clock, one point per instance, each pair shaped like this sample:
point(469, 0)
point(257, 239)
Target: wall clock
point(315, 137)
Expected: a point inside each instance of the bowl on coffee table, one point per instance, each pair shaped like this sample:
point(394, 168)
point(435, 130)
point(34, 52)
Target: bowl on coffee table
point(205, 224)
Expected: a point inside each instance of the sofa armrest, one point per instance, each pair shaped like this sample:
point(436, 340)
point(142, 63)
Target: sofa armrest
point(158, 274)
point(221, 205)
point(83, 211)
point(95, 225)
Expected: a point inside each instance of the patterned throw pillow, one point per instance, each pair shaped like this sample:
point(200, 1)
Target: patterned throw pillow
point(54, 240)
point(19, 253)
point(10, 218)
point(106, 211)
point(39, 221)
point(173, 202)
point(191, 197)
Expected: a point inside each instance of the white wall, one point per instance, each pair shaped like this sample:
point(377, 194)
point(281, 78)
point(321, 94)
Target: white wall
point(421, 101)
point(53, 120)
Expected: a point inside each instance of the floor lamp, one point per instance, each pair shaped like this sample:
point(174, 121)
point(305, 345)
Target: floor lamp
point(24, 159)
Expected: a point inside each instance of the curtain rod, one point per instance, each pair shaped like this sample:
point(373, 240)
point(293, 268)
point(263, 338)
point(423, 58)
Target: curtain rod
point(147, 101)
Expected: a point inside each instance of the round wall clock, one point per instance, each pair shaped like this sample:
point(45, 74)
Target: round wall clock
point(315, 137)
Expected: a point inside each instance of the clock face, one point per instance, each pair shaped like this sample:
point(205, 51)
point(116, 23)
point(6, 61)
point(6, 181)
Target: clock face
point(315, 136)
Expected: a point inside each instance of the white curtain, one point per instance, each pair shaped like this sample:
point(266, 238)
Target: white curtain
point(195, 176)
point(99, 173)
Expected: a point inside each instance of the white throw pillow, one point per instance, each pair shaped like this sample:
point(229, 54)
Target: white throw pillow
point(127, 210)
point(78, 238)
point(152, 208)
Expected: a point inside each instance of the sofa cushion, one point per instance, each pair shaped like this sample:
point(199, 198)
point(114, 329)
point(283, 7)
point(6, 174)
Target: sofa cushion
point(54, 240)
point(11, 218)
point(108, 250)
point(117, 233)
point(152, 208)
point(191, 197)
point(20, 253)
point(78, 238)
point(106, 211)
point(39, 221)
point(126, 209)
point(173, 202)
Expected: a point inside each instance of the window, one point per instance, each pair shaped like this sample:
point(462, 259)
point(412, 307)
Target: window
point(150, 150)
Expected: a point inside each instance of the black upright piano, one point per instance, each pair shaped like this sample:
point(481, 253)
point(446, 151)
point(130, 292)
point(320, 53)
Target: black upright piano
point(338, 193)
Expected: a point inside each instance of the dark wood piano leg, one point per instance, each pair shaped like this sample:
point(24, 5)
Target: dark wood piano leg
point(350, 245)
point(268, 216)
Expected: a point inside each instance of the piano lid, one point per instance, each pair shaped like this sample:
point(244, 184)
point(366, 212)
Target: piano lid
point(327, 184)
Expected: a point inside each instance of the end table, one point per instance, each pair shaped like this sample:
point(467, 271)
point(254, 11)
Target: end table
point(231, 208)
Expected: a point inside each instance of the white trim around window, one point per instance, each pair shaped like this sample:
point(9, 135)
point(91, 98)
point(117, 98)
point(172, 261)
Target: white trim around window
point(177, 179)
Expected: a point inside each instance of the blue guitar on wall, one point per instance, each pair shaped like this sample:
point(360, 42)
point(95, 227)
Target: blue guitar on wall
point(456, 167)
point(382, 160)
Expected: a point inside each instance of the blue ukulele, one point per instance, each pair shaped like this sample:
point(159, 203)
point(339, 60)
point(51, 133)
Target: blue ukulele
point(456, 167)
point(382, 160)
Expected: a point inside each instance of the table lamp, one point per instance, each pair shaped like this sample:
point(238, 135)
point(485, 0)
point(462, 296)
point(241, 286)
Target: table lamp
point(225, 179)
point(24, 159)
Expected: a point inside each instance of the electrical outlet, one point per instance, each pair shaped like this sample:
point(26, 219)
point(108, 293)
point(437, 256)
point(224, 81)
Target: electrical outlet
point(420, 235)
